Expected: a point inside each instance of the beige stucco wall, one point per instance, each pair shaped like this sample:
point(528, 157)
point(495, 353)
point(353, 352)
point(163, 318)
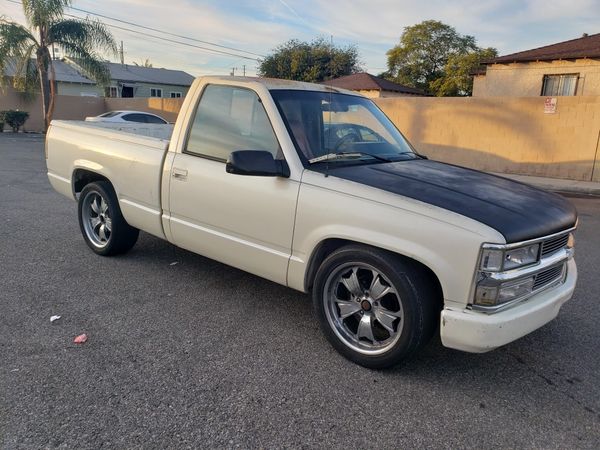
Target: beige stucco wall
point(502, 134)
point(76, 107)
point(68, 107)
point(167, 108)
point(525, 79)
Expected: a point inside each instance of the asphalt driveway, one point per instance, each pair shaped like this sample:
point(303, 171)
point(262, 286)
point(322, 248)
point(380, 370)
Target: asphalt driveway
point(187, 352)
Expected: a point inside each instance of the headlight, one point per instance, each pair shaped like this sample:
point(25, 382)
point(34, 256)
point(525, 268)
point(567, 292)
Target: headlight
point(496, 260)
point(496, 294)
point(522, 256)
point(491, 260)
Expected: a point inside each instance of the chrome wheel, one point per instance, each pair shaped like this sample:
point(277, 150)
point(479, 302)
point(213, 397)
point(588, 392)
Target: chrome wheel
point(96, 219)
point(363, 308)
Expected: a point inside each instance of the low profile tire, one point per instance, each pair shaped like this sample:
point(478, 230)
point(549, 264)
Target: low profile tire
point(103, 227)
point(374, 307)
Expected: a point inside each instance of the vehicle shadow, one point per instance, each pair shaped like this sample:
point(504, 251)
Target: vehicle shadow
point(293, 313)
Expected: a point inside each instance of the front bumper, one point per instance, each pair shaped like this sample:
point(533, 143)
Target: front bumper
point(478, 332)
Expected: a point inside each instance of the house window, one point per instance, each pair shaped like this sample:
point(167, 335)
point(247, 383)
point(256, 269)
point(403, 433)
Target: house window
point(155, 92)
point(175, 94)
point(555, 85)
point(112, 92)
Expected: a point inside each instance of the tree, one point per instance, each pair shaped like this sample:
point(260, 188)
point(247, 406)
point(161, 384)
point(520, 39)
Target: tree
point(458, 77)
point(46, 25)
point(421, 59)
point(144, 63)
point(314, 61)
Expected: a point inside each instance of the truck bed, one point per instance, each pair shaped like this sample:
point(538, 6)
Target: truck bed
point(131, 156)
point(153, 130)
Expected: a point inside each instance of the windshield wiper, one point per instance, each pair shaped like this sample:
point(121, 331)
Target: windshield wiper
point(342, 155)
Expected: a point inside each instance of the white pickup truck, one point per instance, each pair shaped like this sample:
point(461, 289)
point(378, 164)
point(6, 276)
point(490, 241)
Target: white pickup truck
point(314, 188)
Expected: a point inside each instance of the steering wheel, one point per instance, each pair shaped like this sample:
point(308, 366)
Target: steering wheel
point(350, 137)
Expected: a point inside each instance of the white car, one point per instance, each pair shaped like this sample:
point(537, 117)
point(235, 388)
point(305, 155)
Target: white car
point(127, 116)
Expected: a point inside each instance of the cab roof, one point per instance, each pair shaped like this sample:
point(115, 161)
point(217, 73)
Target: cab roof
point(276, 83)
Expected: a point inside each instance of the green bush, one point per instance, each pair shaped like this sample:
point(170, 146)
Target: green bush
point(15, 119)
point(2, 121)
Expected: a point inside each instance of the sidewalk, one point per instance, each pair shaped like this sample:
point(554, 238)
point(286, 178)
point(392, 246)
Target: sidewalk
point(557, 184)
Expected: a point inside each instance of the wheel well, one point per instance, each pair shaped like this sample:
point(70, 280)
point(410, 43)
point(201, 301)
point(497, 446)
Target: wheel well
point(83, 177)
point(328, 246)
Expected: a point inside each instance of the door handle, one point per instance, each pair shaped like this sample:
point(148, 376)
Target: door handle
point(179, 174)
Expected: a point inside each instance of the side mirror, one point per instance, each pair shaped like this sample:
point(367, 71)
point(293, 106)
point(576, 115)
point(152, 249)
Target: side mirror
point(256, 163)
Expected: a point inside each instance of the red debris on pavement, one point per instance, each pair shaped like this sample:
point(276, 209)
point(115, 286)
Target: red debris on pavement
point(80, 339)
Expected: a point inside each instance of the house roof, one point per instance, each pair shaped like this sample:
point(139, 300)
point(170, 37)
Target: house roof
point(125, 72)
point(65, 73)
point(366, 81)
point(583, 47)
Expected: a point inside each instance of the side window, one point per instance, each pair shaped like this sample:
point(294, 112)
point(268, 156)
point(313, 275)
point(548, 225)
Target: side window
point(153, 119)
point(368, 135)
point(140, 118)
point(228, 119)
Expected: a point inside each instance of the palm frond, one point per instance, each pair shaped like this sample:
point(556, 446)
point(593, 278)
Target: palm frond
point(41, 13)
point(90, 62)
point(26, 78)
point(17, 46)
point(87, 34)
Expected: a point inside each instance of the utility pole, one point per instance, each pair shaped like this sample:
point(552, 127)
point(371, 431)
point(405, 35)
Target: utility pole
point(244, 69)
point(122, 53)
point(232, 73)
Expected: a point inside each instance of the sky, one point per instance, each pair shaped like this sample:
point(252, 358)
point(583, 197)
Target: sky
point(373, 26)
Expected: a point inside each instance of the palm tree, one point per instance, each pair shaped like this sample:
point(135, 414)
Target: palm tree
point(80, 39)
point(144, 63)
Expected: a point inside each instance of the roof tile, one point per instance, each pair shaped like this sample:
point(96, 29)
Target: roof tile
point(583, 47)
point(366, 81)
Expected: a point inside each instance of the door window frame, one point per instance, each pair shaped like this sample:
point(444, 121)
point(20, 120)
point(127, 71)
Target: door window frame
point(280, 155)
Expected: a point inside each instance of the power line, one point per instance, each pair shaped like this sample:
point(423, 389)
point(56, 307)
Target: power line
point(187, 44)
point(164, 38)
point(164, 32)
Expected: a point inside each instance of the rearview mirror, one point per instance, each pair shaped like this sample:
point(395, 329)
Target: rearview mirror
point(256, 163)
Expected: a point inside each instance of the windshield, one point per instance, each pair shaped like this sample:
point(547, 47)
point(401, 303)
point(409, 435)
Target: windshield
point(338, 127)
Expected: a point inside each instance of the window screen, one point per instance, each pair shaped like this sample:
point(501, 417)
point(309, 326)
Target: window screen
point(557, 85)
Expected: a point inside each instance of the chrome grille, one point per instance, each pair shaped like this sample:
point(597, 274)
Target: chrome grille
point(548, 277)
point(554, 244)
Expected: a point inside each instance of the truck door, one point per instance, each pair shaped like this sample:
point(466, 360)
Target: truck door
point(243, 221)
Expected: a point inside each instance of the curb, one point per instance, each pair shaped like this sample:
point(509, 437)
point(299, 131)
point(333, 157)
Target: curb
point(572, 187)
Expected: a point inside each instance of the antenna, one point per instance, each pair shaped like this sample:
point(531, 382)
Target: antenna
point(330, 102)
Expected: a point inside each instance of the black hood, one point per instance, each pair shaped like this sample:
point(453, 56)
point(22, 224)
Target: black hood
point(518, 211)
